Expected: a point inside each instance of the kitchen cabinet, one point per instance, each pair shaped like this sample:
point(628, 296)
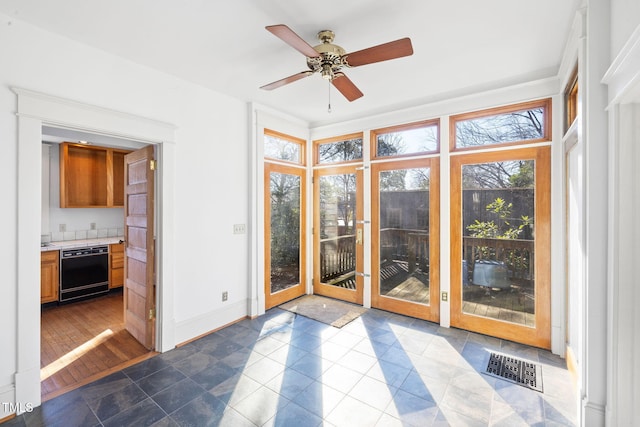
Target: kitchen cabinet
point(116, 265)
point(49, 276)
point(91, 176)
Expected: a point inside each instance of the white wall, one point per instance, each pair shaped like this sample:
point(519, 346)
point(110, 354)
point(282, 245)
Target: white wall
point(623, 318)
point(211, 170)
point(625, 18)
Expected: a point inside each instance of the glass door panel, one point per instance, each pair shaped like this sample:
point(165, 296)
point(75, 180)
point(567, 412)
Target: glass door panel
point(284, 242)
point(501, 224)
point(338, 233)
point(405, 266)
point(498, 241)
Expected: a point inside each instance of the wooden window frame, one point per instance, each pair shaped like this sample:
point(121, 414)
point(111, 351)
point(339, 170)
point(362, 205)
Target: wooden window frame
point(317, 143)
point(301, 142)
point(571, 100)
point(404, 127)
point(544, 103)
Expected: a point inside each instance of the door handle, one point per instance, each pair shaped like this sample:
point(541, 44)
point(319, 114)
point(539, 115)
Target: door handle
point(359, 236)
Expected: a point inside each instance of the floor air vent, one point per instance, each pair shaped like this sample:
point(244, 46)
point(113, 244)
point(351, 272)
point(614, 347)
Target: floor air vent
point(518, 371)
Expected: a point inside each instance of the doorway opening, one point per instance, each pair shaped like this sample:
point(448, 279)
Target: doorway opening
point(85, 334)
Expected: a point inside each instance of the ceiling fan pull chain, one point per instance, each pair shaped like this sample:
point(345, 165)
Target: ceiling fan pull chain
point(329, 108)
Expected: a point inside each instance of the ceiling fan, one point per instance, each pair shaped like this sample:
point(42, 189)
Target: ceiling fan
point(329, 59)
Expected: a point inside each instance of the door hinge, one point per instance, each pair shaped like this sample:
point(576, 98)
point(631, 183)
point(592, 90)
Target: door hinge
point(313, 230)
point(152, 165)
point(152, 313)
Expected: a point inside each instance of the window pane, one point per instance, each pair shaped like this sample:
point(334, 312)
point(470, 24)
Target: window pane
point(281, 149)
point(341, 151)
point(498, 241)
point(285, 231)
point(514, 126)
point(404, 234)
point(571, 101)
point(410, 141)
point(337, 230)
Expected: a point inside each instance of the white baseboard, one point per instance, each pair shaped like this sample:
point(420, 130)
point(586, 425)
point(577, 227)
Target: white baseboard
point(27, 394)
point(593, 415)
point(7, 395)
point(191, 328)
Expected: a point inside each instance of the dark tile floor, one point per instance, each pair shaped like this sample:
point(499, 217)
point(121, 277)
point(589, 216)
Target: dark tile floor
point(286, 370)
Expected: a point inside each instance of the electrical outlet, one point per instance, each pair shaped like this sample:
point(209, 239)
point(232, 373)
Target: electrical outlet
point(225, 296)
point(445, 296)
point(92, 226)
point(239, 228)
point(62, 228)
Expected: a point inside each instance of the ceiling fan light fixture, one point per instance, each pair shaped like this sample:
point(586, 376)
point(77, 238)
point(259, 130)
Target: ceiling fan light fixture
point(327, 72)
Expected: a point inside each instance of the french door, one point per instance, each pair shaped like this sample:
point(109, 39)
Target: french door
point(338, 233)
point(500, 244)
point(284, 189)
point(405, 229)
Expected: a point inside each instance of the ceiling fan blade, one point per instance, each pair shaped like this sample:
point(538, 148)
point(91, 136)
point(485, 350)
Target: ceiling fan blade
point(286, 80)
point(382, 52)
point(287, 35)
point(346, 87)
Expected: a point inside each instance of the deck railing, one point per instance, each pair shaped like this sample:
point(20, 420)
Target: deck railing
point(337, 256)
point(516, 254)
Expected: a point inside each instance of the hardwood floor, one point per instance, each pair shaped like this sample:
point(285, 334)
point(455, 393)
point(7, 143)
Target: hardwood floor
point(84, 341)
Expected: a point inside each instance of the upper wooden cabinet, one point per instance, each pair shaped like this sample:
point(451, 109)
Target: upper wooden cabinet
point(91, 177)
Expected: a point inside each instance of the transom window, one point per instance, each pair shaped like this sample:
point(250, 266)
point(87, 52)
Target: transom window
point(278, 146)
point(571, 100)
point(339, 150)
point(515, 124)
point(405, 140)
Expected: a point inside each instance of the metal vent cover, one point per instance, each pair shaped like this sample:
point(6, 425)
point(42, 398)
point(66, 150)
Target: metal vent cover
point(515, 370)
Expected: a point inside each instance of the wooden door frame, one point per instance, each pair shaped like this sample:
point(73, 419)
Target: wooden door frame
point(271, 300)
point(36, 110)
point(432, 313)
point(356, 296)
point(540, 336)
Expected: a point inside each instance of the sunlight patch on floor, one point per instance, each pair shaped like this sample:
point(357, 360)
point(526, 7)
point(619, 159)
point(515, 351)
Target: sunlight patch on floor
point(74, 354)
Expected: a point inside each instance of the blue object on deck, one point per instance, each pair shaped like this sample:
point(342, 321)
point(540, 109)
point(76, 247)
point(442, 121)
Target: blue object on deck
point(492, 274)
point(465, 273)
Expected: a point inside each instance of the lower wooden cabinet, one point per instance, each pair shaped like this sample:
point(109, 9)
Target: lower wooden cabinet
point(49, 276)
point(116, 265)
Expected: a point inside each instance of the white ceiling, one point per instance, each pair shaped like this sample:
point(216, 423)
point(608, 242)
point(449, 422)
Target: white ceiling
point(460, 46)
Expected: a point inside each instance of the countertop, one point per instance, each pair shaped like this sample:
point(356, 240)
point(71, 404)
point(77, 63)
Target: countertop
point(68, 244)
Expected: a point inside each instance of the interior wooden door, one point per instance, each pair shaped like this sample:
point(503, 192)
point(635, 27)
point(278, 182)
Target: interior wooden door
point(139, 260)
point(338, 233)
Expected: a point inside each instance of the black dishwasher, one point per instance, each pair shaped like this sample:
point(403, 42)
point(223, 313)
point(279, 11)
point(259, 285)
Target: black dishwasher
point(84, 272)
